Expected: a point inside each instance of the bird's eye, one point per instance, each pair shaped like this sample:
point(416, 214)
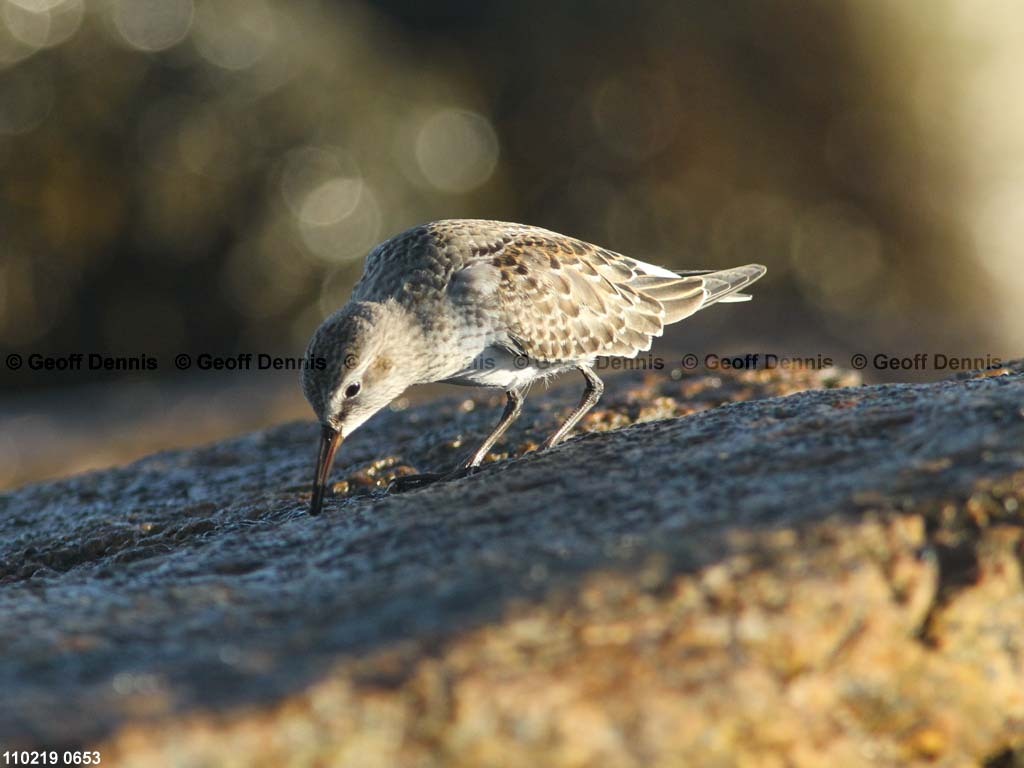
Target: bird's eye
point(352, 390)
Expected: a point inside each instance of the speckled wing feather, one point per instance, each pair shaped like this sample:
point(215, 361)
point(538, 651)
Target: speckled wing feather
point(553, 297)
point(563, 299)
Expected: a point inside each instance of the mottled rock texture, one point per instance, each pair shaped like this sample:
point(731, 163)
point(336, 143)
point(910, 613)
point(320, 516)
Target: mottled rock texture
point(799, 578)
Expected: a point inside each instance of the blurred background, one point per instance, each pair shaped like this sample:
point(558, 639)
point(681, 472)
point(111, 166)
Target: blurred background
point(207, 176)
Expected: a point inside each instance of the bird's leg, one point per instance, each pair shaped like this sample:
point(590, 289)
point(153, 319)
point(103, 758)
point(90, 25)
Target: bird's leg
point(593, 392)
point(513, 407)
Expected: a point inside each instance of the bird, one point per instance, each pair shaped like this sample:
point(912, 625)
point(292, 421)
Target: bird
point(490, 304)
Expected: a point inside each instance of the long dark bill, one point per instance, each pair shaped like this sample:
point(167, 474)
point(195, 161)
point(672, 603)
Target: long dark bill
point(330, 439)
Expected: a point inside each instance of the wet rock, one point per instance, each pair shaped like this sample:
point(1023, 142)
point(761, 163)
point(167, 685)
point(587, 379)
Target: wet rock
point(714, 575)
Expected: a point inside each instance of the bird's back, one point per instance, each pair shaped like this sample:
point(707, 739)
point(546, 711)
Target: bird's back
point(550, 297)
point(424, 258)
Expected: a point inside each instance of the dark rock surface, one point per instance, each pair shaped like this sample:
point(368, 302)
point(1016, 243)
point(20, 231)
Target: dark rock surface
point(833, 576)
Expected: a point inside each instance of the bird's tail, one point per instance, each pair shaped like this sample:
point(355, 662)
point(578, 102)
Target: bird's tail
point(694, 290)
point(725, 285)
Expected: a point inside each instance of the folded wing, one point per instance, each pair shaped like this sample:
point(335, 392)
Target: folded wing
point(562, 299)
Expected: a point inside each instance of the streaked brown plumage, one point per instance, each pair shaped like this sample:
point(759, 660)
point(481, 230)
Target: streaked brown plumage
point(494, 304)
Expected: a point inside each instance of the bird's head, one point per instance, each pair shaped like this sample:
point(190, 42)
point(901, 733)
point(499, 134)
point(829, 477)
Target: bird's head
point(351, 371)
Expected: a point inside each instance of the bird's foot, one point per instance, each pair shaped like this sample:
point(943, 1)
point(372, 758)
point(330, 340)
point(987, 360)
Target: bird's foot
point(460, 472)
point(414, 482)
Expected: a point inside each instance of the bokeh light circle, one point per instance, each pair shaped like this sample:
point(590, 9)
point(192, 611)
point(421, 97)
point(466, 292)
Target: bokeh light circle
point(456, 150)
point(153, 25)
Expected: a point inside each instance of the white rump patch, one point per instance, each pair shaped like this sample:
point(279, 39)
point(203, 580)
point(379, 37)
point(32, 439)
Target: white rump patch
point(653, 269)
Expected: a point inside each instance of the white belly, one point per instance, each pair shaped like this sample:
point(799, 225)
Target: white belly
point(497, 367)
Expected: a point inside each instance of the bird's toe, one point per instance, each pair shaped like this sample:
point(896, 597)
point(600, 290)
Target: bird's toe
point(412, 482)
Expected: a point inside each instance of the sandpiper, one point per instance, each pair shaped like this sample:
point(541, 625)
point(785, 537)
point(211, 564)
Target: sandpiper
point(490, 304)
